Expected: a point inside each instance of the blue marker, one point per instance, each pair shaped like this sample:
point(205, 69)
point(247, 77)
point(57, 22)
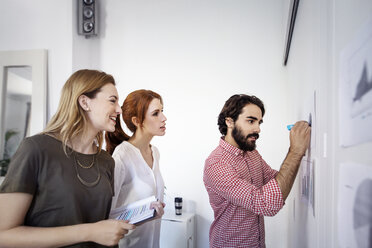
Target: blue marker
point(289, 127)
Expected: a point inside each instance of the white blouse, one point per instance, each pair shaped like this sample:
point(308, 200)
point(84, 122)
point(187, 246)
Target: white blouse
point(135, 180)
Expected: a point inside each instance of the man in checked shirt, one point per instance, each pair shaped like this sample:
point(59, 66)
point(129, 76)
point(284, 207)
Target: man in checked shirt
point(242, 188)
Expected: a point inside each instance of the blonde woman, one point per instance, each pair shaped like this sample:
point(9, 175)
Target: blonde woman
point(137, 172)
point(59, 186)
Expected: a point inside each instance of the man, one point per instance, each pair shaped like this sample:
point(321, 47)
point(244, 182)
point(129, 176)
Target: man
point(242, 188)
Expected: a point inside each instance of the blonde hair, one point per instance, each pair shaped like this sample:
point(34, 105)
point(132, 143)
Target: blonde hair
point(69, 120)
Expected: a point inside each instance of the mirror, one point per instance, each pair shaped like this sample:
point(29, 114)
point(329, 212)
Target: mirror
point(23, 99)
point(17, 108)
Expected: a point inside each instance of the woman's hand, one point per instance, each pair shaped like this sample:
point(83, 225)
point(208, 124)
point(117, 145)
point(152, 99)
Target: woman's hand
point(13, 209)
point(109, 232)
point(159, 208)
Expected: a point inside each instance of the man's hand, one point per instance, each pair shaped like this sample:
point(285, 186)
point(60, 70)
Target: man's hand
point(300, 138)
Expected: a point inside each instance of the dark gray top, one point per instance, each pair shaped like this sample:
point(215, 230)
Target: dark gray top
point(41, 168)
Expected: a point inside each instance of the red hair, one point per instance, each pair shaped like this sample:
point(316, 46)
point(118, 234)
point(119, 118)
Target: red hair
point(135, 105)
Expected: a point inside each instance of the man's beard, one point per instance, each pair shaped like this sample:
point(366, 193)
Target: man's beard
point(243, 142)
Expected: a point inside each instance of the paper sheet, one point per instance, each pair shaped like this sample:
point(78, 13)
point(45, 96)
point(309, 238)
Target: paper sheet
point(355, 206)
point(355, 93)
point(307, 183)
point(306, 173)
point(135, 212)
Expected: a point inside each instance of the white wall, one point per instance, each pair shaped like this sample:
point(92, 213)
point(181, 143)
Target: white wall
point(196, 54)
point(323, 29)
point(307, 71)
point(41, 24)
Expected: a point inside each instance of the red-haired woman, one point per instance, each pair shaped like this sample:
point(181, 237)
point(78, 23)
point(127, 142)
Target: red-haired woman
point(137, 173)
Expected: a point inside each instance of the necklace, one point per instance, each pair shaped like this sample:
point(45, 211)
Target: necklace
point(84, 166)
point(82, 181)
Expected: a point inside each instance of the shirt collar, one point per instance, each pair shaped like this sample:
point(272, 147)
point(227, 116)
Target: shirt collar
point(230, 148)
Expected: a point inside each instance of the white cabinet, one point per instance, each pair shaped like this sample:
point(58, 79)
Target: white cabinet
point(177, 230)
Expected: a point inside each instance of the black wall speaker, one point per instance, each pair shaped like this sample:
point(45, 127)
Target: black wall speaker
point(87, 17)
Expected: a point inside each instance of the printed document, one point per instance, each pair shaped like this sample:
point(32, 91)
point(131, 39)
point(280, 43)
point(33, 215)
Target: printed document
point(135, 212)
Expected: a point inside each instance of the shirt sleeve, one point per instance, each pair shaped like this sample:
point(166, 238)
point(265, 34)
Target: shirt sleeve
point(23, 169)
point(224, 181)
point(119, 177)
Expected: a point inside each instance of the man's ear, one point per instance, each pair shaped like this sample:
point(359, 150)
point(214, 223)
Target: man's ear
point(229, 122)
point(84, 102)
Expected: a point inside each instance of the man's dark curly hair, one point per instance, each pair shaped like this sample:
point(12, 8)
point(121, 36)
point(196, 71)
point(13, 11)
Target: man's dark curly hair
point(233, 108)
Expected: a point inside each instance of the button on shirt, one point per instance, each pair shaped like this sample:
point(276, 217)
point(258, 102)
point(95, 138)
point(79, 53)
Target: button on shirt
point(242, 189)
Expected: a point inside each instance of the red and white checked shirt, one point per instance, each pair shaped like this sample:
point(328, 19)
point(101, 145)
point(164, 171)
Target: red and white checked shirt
point(242, 189)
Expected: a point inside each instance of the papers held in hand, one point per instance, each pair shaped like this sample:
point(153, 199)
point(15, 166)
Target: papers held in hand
point(135, 212)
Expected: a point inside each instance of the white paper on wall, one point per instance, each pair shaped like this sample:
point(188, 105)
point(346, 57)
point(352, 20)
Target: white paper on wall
point(306, 173)
point(355, 206)
point(307, 183)
point(355, 94)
